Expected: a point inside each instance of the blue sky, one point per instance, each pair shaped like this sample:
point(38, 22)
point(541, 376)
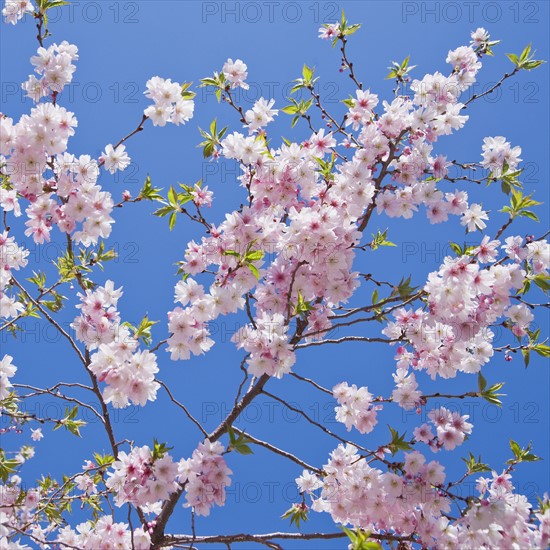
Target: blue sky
point(121, 45)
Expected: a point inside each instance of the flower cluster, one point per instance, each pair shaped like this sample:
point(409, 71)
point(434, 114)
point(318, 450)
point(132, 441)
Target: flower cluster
point(451, 429)
point(55, 64)
point(536, 253)
point(62, 189)
point(413, 503)
point(169, 105)
point(312, 224)
point(85, 201)
point(140, 478)
point(497, 153)
point(500, 518)
point(361, 112)
point(129, 374)
point(285, 256)
point(267, 344)
point(356, 407)
point(260, 115)
point(464, 300)
point(14, 10)
point(30, 145)
point(355, 493)
point(235, 73)
point(93, 535)
point(188, 334)
point(12, 257)
point(206, 476)
point(406, 393)
point(7, 370)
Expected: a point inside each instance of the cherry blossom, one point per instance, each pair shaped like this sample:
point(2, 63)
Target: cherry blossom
point(14, 10)
point(169, 105)
point(286, 260)
point(356, 407)
point(235, 73)
point(115, 159)
point(206, 476)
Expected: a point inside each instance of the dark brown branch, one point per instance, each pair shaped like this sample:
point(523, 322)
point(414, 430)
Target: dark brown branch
point(278, 451)
point(243, 537)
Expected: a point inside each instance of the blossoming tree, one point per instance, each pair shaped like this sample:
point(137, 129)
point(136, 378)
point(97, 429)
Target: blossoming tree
point(289, 261)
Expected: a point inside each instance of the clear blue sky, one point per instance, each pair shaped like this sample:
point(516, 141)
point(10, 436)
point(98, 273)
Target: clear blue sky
point(121, 45)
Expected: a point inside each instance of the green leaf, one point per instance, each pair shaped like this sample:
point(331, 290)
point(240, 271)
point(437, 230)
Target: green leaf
point(296, 513)
point(213, 127)
point(302, 307)
point(150, 193)
point(529, 214)
point(254, 271)
point(208, 82)
point(516, 449)
point(352, 29)
point(290, 109)
point(525, 60)
point(69, 422)
point(374, 297)
point(185, 92)
point(400, 70)
point(475, 466)
point(164, 211)
point(56, 304)
point(172, 196)
point(143, 330)
point(208, 150)
point(542, 281)
point(525, 53)
point(397, 442)
point(359, 540)
point(56, 3)
point(213, 138)
point(380, 240)
point(7, 466)
point(522, 455)
point(513, 58)
point(159, 449)
point(39, 279)
point(542, 349)
point(172, 220)
point(456, 248)
point(349, 102)
point(404, 288)
point(481, 382)
point(66, 267)
point(530, 65)
point(254, 256)
point(239, 444)
point(244, 449)
point(103, 460)
point(491, 394)
point(307, 73)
